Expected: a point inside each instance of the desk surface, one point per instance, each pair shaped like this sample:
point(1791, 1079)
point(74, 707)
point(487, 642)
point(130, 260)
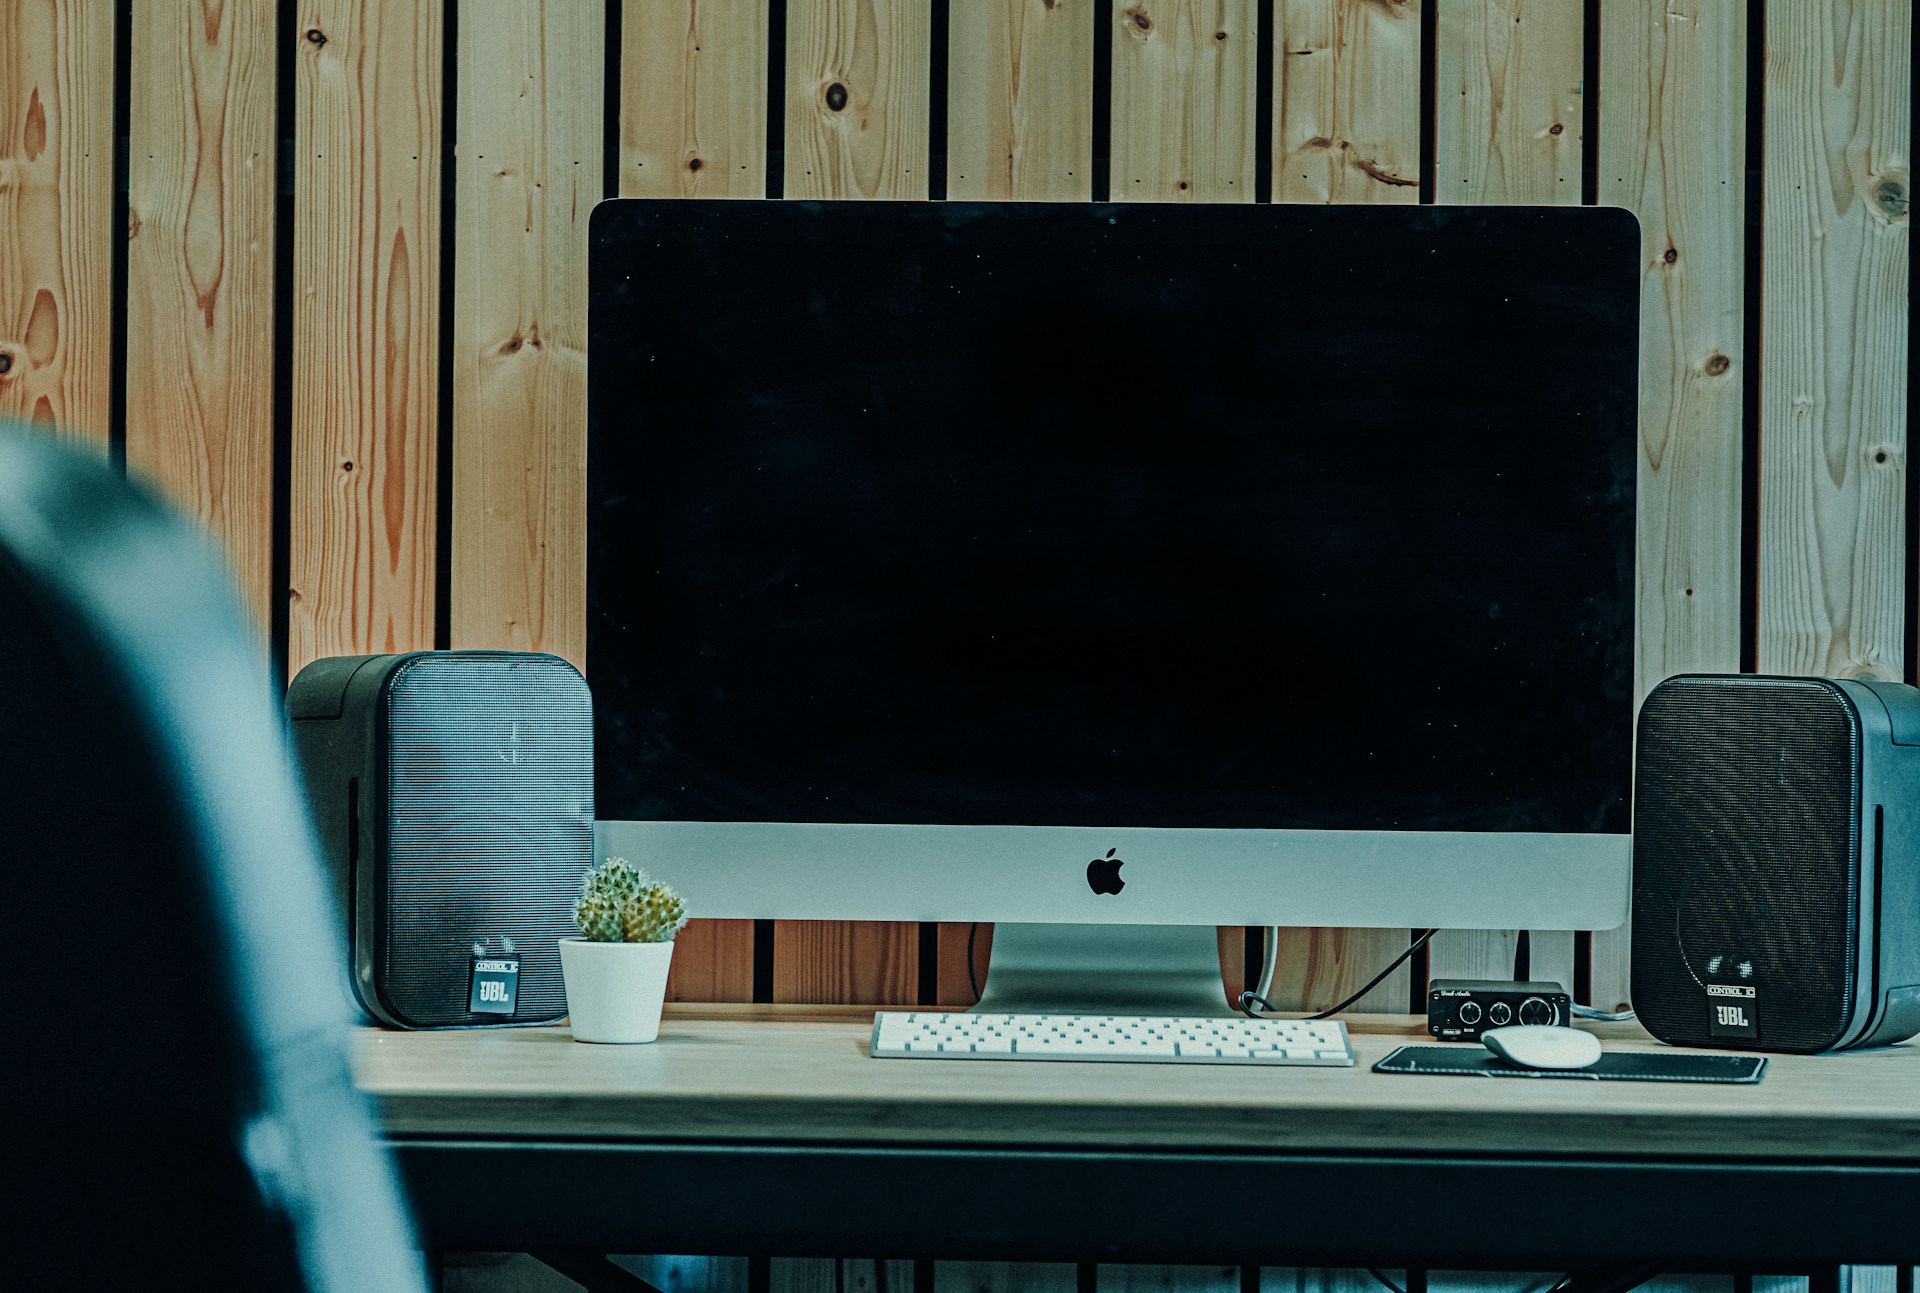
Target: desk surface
point(794, 1075)
point(1820, 1161)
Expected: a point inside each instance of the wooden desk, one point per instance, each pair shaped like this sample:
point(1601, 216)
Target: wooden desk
point(770, 1130)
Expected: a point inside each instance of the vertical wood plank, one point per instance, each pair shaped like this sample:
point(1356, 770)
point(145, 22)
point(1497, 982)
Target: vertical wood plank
point(367, 93)
point(838, 1275)
point(693, 99)
point(1184, 74)
point(871, 962)
point(528, 126)
point(1507, 103)
point(1346, 128)
point(693, 123)
point(1005, 1277)
point(1672, 146)
point(857, 79)
point(675, 1274)
point(1507, 126)
point(1167, 1279)
point(1020, 101)
point(1833, 370)
point(1315, 1279)
point(200, 227)
point(56, 211)
point(1346, 105)
point(955, 988)
point(1318, 968)
point(712, 961)
point(856, 127)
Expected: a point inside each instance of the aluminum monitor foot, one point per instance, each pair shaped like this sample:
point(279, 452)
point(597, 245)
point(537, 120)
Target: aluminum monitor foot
point(1105, 969)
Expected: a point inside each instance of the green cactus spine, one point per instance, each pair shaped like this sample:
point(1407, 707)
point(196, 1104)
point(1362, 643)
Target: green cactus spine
point(598, 918)
point(653, 915)
point(620, 904)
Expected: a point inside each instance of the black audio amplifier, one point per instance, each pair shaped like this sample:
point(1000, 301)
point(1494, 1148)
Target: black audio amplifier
point(1459, 1010)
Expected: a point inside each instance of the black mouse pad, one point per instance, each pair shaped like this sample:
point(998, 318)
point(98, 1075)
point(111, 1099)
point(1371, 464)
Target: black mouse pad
point(1613, 1066)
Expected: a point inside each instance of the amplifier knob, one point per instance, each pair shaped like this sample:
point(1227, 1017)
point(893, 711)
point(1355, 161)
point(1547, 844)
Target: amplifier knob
point(1469, 1012)
point(1499, 1014)
point(1537, 1010)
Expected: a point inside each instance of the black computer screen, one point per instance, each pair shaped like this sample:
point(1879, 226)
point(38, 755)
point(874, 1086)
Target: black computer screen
point(1189, 516)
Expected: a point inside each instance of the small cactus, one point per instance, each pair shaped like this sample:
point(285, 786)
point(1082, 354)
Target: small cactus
point(598, 917)
point(620, 904)
point(653, 915)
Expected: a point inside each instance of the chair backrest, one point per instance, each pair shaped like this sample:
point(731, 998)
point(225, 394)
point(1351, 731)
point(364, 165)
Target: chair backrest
point(179, 1101)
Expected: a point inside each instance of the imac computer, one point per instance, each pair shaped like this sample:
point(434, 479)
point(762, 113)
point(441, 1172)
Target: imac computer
point(1159, 567)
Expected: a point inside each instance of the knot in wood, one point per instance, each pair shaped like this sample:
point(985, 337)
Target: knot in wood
point(694, 163)
point(1891, 197)
point(836, 97)
point(316, 37)
point(1671, 256)
point(1556, 128)
point(6, 362)
point(1138, 24)
point(1717, 364)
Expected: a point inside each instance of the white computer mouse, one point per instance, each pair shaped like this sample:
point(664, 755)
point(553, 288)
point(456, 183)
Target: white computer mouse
point(1543, 1046)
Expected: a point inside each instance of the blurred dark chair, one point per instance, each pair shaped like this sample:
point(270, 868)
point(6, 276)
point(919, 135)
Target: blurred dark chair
point(178, 1106)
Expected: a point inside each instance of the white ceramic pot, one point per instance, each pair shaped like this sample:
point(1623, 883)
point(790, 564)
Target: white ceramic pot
point(615, 991)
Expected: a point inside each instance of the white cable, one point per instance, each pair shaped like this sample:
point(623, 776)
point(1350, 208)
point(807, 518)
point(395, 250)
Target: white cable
point(1269, 961)
point(1601, 1016)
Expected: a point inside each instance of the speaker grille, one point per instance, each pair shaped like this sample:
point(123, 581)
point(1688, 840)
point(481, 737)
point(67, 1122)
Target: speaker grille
point(1745, 849)
point(489, 826)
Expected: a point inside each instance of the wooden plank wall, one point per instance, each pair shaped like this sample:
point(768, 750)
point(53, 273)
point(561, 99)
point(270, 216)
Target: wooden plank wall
point(404, 469)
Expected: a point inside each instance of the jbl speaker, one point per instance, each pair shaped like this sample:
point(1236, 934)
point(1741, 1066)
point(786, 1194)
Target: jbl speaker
point(1776, 863)
point(453, 796)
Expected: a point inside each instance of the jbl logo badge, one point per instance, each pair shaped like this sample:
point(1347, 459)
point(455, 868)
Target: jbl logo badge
point(1733, 1010)
point(496, 985)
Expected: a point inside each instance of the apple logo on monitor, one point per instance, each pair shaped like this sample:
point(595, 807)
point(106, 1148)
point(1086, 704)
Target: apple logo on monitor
point(1103, 874)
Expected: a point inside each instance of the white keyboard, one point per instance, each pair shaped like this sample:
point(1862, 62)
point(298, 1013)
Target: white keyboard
point(1138, 1039)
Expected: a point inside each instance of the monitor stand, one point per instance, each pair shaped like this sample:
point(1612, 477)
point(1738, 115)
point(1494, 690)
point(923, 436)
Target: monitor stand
point(1105, 969)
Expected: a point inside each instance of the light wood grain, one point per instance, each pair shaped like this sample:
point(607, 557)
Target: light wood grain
point(1293, 1279)
point(1833, 363)
point(56, 212)
point(874, 962)
point(712, 961)
point(955, 988)
point(1673, 151)
point(529, 174)
point(693, 123)
point(693, 98)
point(814, 1081)
point(676, 1273)
point(1020, 101)
point(200, 230)
point(1346, 128)
point(1318, 968)
point(1507, 132)
point(1140, 1278)
point(1346, 101)
point(856, 127)
point(1004, 1277)
point(366, 275)
point(1507, 103)
point(856, 115)
point(838, 1275)
point(1184, 74)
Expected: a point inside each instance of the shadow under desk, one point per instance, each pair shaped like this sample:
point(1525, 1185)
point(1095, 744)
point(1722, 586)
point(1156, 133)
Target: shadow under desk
point(769, 1130)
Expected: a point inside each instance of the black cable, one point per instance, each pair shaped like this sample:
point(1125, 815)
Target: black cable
point(972, 982)
point(1248, 998)
point(1385, 1281)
